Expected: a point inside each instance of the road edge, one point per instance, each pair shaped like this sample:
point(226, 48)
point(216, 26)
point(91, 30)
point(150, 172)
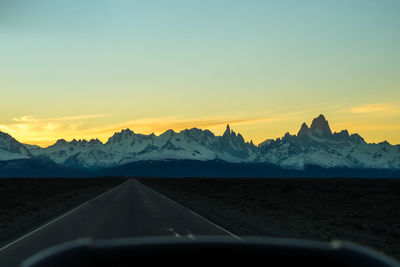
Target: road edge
point(58, 218)
point(189, 210)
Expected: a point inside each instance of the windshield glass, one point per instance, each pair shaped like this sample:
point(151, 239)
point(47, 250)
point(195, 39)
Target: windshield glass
point(184, 119)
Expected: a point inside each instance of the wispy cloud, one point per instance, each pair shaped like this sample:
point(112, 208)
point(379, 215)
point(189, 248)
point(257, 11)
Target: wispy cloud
point(161, 124)
point(29, 118)
point(45, 131)
point(379, 108)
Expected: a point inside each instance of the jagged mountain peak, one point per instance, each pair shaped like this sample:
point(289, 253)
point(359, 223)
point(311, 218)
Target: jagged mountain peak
point(79, 141)
point(170, 131)
point(127, 131)
point(119, 136)
point(304, 130)
point(192, 130)
point(198, 134)
point(61, 141)
point(227, 130)
point(75, 142)
point(167, 134)
point(356, 138)
point(95, 142)
point(319, 147)
point(384, 143)
point(10, 148)
point(320, 126)
point(4, 135)
point(124, 132)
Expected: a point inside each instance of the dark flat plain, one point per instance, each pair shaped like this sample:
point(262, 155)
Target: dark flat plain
point(25, 203)
point(365, 211)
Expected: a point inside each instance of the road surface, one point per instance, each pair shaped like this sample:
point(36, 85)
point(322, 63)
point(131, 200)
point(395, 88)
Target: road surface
point(128, 210)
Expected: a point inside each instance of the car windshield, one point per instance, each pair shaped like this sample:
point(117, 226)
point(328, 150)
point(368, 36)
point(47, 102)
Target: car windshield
point(184, 119)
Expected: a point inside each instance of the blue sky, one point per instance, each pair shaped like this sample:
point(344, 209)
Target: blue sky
point(269, 65)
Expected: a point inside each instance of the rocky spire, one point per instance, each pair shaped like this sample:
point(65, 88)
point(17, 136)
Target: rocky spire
point(227, 131)
point(320, 126)
point(304, 130)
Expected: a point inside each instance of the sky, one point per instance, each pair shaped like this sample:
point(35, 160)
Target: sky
point(86, 69)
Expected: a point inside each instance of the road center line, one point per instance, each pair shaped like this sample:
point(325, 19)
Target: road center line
point(189, 210)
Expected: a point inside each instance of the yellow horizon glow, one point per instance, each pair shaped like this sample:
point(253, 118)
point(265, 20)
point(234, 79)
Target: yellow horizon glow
point(44, 132)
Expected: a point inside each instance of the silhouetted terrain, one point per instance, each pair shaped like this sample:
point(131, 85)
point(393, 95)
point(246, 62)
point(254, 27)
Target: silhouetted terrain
point(365, 211)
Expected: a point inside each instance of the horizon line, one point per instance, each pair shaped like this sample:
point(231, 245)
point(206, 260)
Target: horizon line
point(68, 140)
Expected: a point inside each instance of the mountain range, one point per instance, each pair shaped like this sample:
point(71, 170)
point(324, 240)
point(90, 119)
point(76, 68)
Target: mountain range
point(313, 151)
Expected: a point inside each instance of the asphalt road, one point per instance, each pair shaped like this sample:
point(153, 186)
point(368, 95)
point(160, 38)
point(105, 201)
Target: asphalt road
point(128, 210)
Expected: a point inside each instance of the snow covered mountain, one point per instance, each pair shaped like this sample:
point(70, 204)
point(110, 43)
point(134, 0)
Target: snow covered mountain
point(126, 146)
point(311, 146)
point(317, 145)
point(12, 149)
